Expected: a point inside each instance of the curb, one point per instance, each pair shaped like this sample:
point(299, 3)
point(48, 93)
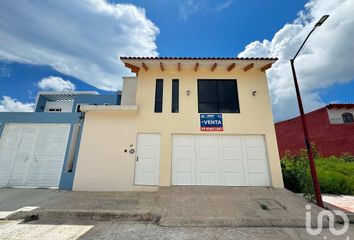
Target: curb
point(84, 215)
point(235, 222)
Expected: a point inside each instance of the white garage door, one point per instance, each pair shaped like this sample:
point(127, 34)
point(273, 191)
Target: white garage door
point(219, 160)
point(32, 155)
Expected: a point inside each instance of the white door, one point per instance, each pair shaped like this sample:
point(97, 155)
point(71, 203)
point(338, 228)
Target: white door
point(219, 160)
point(147, 159)
point(32, 155)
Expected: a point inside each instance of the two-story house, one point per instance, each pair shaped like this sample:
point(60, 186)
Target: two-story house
point(182, 121)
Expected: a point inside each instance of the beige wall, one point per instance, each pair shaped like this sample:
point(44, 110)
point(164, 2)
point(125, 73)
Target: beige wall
point(255, 117)
point(102, 163)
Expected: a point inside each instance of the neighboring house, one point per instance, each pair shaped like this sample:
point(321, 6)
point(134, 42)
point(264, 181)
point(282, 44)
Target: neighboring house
point(39, 149)
point(182, 121)
point(331, 129)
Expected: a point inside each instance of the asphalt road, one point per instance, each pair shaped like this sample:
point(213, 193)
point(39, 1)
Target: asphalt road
point(100, 230)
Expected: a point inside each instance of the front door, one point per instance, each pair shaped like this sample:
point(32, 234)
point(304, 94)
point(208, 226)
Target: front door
point(147, 160)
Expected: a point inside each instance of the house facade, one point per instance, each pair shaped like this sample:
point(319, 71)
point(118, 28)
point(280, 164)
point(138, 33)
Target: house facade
point(182, 121)
point(331, 129)
point(39, 149)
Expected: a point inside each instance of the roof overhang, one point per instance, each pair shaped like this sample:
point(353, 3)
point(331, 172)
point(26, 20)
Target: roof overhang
point(109, 108)
point(340, 105)
point(136, 64)
point(64, 96)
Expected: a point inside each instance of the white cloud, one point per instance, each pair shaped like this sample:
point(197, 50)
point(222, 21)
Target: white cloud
point(8, 104)
point(189, 7)
point(223, 5)
point(327, 58)
point(4, 71)
point(82, 38)
point(55, 84)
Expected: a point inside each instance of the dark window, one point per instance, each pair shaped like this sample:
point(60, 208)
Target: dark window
point(347, 118)
point(217, 96)
point(158, 95)
point(175, 95)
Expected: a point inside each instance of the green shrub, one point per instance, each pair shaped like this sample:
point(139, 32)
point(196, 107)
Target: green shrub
point(336, 175)
point(334, 182)
point(347, 157)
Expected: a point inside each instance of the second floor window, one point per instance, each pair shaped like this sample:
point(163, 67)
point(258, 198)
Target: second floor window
point(217, 96)
point(175, 96)
point(347, 117)
point(158, 95)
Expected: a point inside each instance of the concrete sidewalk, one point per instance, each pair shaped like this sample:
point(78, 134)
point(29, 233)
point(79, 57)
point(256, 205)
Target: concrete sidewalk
point(170, 206)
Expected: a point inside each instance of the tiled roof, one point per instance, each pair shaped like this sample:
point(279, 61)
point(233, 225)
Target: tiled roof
point(340, 105)
point(198, 58)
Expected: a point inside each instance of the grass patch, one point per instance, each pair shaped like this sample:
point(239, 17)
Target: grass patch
point(335, 174)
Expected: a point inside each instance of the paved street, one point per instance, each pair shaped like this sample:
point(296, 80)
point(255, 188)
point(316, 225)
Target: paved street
point(101, 230)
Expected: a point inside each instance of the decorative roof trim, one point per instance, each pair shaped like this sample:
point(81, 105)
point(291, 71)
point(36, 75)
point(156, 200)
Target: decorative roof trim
point(340, 105)
point(199, 58)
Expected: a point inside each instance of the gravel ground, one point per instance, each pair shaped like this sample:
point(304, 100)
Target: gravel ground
point(16, 230)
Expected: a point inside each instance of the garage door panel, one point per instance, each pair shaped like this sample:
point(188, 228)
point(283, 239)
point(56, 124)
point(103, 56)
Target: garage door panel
point(234, 179)
point(207, 152)
point(184, 178)
point(220, 160)
point(258, 179)
point(183, 153)
point(38, 154)
point(256, 166)
point(254, 141)
point(184, 165)
point(232, 153)
point(183, 141)
point(210, 178)
point(234, 165)
point(255, 153)
point(208, 165)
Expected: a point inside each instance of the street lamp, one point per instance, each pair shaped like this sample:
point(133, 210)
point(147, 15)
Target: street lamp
point(315, 182)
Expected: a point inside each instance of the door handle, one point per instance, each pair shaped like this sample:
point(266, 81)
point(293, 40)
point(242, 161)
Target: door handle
point(137, 158)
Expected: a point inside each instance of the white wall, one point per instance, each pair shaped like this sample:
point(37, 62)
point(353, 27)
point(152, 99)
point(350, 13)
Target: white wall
point(335, 114)
point(129, 91)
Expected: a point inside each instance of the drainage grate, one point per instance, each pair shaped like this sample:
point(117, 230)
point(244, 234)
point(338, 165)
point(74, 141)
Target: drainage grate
point(271, 204)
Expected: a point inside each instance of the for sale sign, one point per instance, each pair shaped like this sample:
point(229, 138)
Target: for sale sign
point(211, 122)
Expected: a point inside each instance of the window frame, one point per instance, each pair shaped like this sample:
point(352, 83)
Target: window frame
point(158, 101)
point(347, 117)
point(175, 96)
point(218, 102)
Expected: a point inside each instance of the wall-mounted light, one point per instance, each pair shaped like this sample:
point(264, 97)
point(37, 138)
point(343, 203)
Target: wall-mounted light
point(254, 93)
point(188, 92)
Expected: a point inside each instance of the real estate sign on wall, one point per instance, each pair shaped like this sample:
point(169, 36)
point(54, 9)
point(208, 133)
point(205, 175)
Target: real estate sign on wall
point(211, 122)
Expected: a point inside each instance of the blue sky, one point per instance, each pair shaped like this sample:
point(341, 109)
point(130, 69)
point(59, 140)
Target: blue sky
point(74, 45)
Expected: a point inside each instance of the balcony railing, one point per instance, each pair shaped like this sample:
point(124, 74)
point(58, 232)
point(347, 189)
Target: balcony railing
point(338, 121)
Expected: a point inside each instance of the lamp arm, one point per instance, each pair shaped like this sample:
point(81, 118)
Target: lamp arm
point(298, 51)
